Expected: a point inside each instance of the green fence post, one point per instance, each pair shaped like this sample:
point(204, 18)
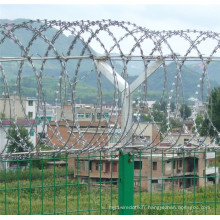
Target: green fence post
point(126, 184)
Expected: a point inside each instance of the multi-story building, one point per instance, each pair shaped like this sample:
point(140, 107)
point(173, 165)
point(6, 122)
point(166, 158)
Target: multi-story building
point(152, 171)
point(144, 134)
point(83, 112)
point(14, 107)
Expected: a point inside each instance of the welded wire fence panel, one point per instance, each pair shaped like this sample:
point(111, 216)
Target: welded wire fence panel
point(177, 183)
point(59, 185)
point(118, 122)
point(164, 183)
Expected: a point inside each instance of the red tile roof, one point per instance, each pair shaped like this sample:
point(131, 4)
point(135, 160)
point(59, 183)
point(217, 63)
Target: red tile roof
point(20, 122)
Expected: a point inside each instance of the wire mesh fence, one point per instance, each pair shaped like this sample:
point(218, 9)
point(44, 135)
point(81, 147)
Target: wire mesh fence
point(163, 183)
point(80, 133)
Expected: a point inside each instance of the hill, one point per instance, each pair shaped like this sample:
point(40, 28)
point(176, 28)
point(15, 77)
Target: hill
point(213, 69)
point(84, 76)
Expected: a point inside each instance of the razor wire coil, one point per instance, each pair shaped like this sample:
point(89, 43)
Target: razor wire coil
point(78, 51)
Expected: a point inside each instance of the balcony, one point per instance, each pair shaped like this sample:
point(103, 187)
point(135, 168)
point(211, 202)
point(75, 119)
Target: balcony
point(211, 170)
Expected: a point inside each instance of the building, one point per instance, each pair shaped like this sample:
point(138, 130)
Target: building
point(83, 112)
point(158, 170)
point(186, 140)
point(14, 107)
point(152, 172)
point(199, 106)
point(106, 167)
point(79, 135)
point(165, 171)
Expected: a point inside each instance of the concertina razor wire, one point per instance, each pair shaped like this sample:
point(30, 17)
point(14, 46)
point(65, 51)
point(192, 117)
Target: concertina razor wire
point(70, 47)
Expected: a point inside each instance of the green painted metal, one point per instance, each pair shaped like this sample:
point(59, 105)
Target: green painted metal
point(79, 188)
point(126, 184)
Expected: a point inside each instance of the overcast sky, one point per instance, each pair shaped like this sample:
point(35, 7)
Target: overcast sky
point(155, 17)
point(159, 17)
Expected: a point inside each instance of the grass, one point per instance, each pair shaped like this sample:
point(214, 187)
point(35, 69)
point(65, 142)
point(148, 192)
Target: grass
point(60, 195)
point(55, 191)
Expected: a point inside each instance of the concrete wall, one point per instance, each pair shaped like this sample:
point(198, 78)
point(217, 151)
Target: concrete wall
point(16, 107)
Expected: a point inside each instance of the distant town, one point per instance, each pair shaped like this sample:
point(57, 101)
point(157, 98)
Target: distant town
point(56, 126)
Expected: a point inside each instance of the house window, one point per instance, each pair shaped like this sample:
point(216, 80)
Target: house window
point(90, 165)
point(107, 167)
point(138, 165)
point(31, 132)
point(154, 165)
point(42, 135)
point(168, 166)
point(115, 167)
point(80, 115)
point(113, 140)
point(180, 163)
point(106, 115)
point(98, 166)
point(154, 181)
point(30, 114)
point(88, 115)
point(81, 165)
point(186, 140)
point(99, 115)
point(30, 102)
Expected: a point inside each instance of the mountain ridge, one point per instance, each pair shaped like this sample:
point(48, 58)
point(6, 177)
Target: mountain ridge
point(86, 72)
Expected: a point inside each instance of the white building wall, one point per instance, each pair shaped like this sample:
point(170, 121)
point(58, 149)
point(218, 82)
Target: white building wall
point(3, 139)
point(31, 108)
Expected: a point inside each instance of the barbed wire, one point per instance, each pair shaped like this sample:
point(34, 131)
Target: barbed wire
point(32, 48)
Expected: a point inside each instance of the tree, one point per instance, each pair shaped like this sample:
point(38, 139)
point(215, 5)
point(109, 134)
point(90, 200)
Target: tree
point(158, 116)
point(202, 125)
point(214, 109)
point(172, 106)
point(205, 124)
point(185, 111)
point(163, 106)
point(19, 140)
point(2, 116)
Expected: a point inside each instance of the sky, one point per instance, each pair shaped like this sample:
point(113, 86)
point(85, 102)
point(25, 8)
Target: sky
point(155, 15)
point(152, 16)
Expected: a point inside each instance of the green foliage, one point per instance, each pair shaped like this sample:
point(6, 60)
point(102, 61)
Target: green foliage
point(87, 90)
point(214, 110)
point(2, 116)
point(213, 69)
point(59, 195)
point(175, 122)
point(205, 126)
point(185, 111)
point(159, 115)
point(18, 138)
point(202, 125)
point(34, 174)
point(163, 106)
point(40, 164)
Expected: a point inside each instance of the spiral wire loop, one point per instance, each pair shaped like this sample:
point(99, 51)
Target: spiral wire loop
point(69, 46)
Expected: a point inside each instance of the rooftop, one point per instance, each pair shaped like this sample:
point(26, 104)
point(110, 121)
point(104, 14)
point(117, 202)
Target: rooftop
point(24, 122)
